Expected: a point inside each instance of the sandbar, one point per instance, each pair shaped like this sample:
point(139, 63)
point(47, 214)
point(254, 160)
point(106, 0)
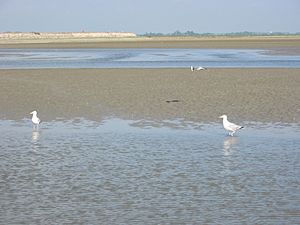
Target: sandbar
point(289, 43)
point(245, 94)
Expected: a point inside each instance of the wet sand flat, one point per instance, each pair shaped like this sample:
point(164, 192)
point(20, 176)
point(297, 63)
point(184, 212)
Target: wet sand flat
point(263, 95)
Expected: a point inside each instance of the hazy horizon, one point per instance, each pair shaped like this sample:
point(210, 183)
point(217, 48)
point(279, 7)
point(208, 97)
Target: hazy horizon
point(140, 17)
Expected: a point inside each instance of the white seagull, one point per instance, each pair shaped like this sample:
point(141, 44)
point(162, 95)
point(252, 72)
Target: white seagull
point(201, 68)
point(35, 120)
point(198, 68)
point(231, 127)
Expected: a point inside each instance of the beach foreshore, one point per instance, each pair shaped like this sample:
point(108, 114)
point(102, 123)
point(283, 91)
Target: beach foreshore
point(256, 42)
point(250, 94)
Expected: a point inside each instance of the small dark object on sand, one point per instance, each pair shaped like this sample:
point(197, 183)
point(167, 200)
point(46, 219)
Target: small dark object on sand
point(175, 100)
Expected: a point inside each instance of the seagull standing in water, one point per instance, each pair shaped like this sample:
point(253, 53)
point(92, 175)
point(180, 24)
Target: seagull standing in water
point(35, 120)
point(231, 127)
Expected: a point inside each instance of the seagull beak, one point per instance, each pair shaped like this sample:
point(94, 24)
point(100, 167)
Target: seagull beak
point(220, 117)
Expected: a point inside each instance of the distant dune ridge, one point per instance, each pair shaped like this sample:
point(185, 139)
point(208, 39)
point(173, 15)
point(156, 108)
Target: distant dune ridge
point(63, 35)
point(132, 40)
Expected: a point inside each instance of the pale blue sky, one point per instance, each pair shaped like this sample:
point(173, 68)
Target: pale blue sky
point(141, 16)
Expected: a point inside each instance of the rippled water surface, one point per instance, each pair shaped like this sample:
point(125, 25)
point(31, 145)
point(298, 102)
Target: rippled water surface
point(117, 172)
point(144, 58)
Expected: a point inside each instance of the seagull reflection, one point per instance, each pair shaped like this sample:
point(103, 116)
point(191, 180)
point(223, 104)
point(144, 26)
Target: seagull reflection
point(35, 145)
point(229, 142)
point(35, 136)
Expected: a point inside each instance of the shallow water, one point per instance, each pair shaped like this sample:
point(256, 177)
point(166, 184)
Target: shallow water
point(139, 172)
point(144, 58)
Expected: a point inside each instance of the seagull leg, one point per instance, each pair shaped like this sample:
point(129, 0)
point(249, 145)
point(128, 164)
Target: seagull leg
point(35, 127)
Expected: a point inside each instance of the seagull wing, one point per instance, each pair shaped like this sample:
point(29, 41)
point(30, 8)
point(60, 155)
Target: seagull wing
point(36, 120)
point(233, 127)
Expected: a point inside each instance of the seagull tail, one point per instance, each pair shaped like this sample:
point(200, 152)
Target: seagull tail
point(242, 127)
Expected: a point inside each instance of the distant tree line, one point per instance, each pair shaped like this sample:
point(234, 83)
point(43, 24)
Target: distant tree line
point(233, 34)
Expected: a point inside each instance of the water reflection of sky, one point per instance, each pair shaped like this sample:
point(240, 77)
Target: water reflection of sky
point(118, 167)
point(143, 58)
point(179, 126)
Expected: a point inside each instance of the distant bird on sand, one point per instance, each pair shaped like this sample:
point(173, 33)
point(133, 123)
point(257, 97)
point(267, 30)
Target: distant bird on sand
point(198, 68)
point(201, 68)
point(231, 127)
point(35, 120)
